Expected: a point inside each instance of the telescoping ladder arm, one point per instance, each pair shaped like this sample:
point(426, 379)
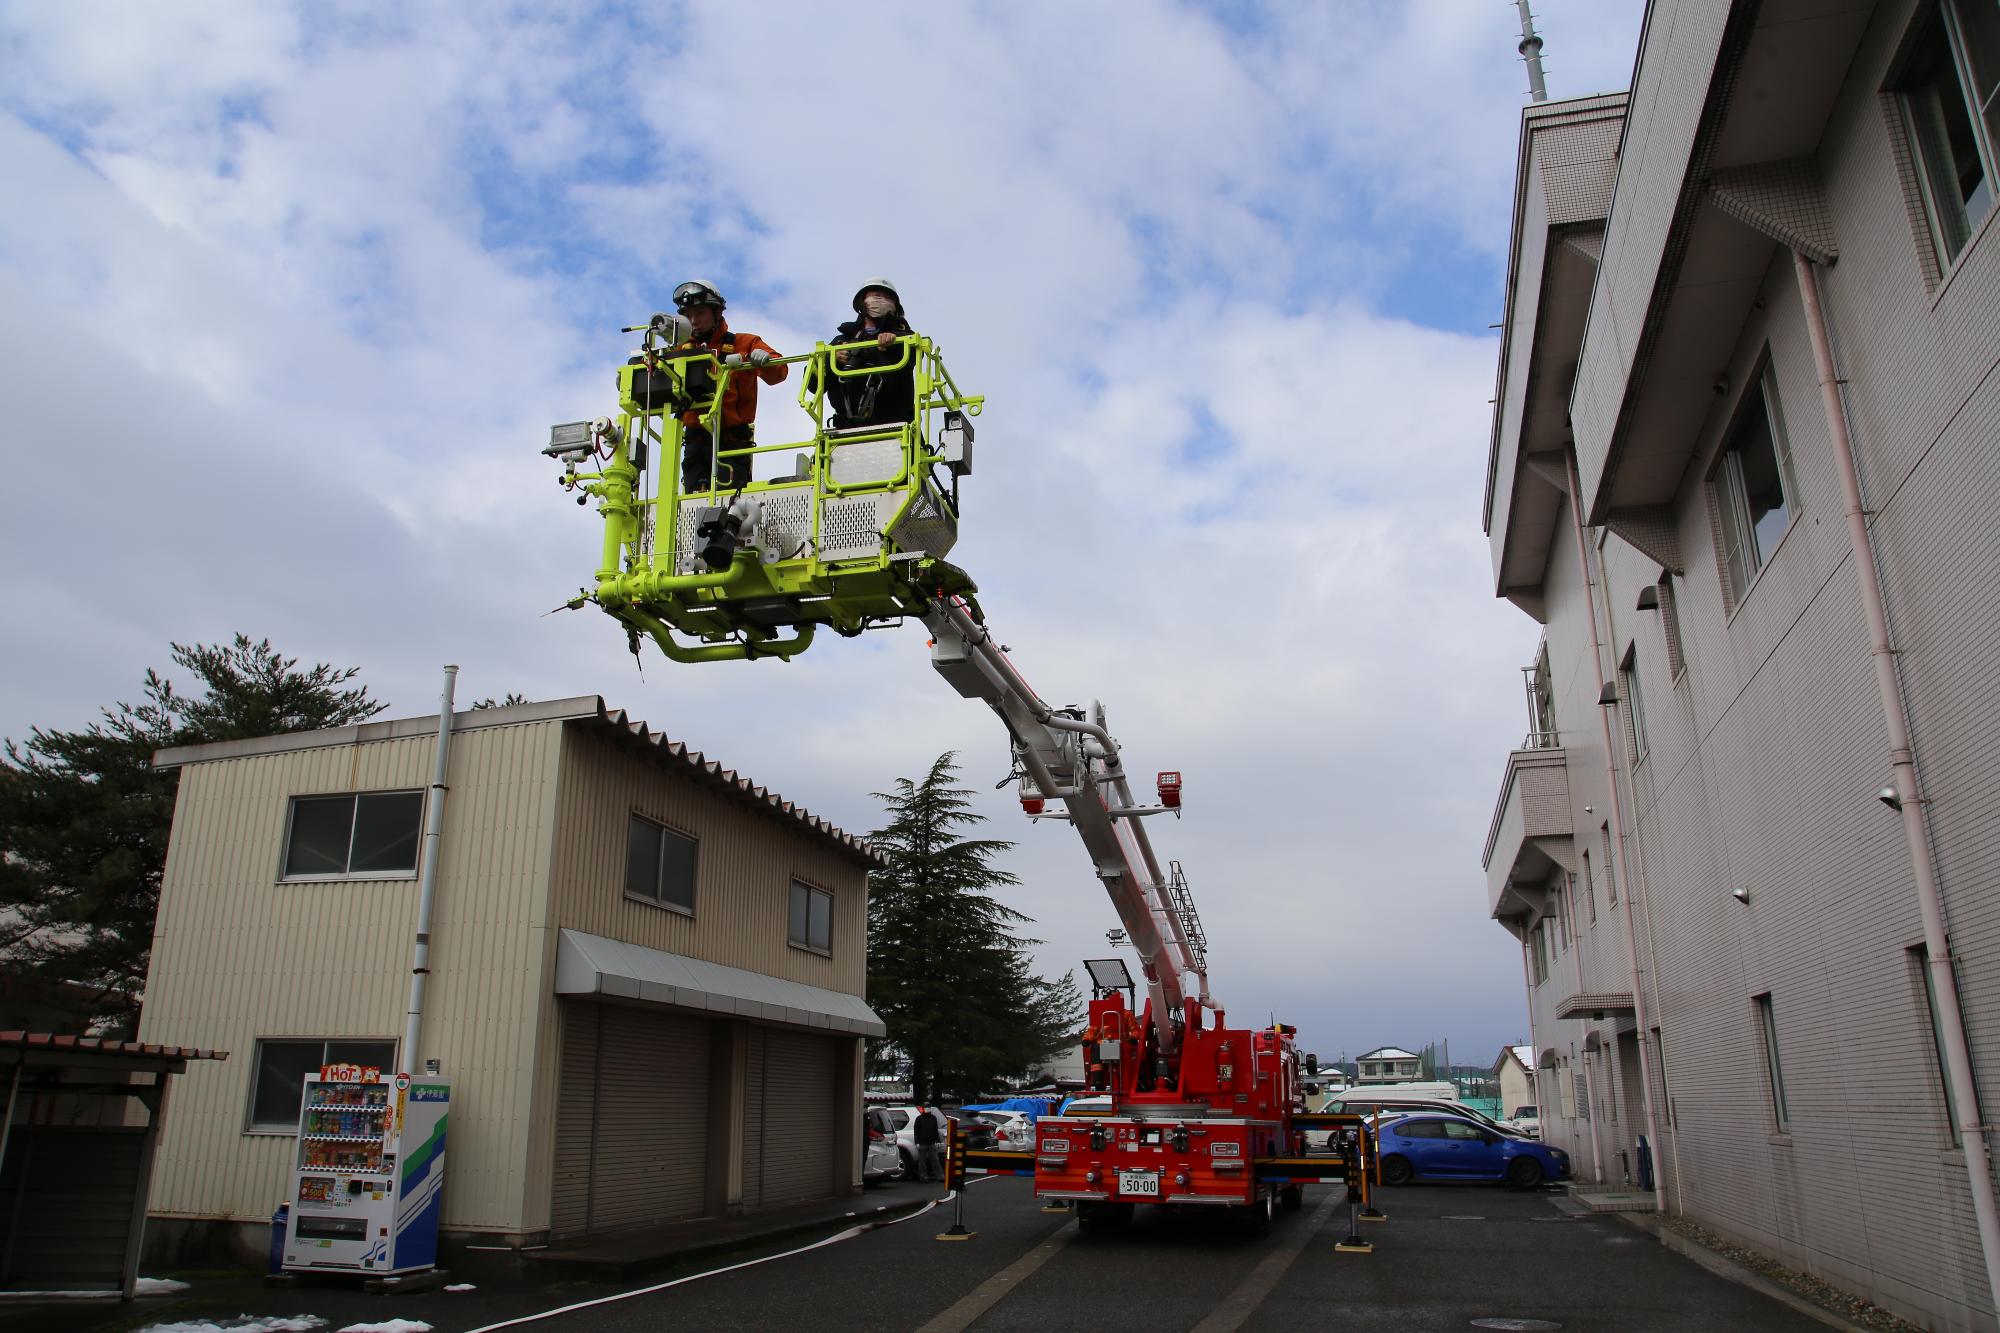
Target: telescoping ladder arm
point(1074, 760)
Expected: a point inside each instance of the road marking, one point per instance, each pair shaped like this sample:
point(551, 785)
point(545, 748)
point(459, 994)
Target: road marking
point(988, 1293)
point(848, 1234)
point(1240, 1304)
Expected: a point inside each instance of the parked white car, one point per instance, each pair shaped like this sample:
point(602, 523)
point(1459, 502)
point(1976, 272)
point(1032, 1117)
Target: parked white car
point(880, 1158)
point(1012, 1131)
point(1527, 1120)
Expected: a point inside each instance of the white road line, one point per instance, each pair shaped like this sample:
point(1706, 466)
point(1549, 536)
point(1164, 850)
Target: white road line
point(988, 1293)
point(1237, 1307)
point(848, 1234)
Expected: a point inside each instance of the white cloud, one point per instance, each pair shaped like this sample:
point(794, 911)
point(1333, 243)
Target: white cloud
point(289, 301)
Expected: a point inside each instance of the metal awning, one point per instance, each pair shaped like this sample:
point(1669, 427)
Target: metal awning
point(593, 965)
point(1597, 1005)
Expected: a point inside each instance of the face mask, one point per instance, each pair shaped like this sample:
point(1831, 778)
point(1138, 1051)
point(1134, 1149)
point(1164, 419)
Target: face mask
point(875, 305)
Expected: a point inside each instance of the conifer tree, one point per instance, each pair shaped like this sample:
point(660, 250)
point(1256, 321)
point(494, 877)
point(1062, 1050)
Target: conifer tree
point(84, 816)
point(947, 969)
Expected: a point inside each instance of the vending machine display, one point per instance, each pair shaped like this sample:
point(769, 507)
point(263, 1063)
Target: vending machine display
point(368, 1182)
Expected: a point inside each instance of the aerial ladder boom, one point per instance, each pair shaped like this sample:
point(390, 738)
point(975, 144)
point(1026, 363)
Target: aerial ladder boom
point(1076, 761)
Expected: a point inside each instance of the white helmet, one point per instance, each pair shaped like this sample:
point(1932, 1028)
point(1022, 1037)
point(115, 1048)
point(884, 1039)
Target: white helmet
point(881, 285)
point(696, 292)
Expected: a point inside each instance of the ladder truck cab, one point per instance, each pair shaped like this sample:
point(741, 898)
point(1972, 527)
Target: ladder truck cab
point(853, 537)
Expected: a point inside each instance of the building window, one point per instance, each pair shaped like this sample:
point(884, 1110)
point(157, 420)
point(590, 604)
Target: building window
point(1566, 1087)
point(1950, 95)
point(1753, 499)
point(1589, 888)
point(659, 865)
point(362, 835)
point(1610, 869)
point(1635, 712)
point(1580, 1089)
point(1920, 958)
point(1774, 1070)
point(1660, 1063)
point(812, 918)
point(278, 1080)
point(1670, 628)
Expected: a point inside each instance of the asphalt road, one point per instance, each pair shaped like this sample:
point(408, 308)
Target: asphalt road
point(1447, 1255)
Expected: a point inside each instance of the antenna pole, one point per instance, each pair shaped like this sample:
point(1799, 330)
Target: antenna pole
point(1531, 51)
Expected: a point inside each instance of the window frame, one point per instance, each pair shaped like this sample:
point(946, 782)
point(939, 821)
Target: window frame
point(1610, 867)
point(811, 891)
point(349, 876)
point(1920, 957)
point(1774, 1065)
point(694, 866)
point(1729, 503)
point(1634, 699)
point(259, 1045)
point(1670, 630)
point(1903, 90)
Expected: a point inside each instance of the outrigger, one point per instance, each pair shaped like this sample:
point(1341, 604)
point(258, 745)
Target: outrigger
point(854, 536)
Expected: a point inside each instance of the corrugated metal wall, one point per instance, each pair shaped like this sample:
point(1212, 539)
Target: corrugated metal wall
point(239, 956)
point(789, 1117)
point(745, 862)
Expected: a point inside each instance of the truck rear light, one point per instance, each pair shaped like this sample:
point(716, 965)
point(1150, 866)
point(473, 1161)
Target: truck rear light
point(1031, 805)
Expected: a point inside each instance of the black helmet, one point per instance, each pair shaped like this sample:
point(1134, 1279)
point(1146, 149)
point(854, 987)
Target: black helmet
point(878, 284)
point(695, 292)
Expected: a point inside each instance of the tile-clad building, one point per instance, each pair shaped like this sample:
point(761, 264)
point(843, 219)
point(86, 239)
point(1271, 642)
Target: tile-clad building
point(646, 982)
point(1775, 256)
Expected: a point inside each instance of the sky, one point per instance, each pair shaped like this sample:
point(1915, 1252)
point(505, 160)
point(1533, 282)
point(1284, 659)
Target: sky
point(289, 296)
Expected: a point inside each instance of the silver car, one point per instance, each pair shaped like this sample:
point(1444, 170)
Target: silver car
point(880, 1157)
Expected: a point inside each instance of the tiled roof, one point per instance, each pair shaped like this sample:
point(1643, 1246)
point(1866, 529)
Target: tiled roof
point(58, 1041)
point(676, 754)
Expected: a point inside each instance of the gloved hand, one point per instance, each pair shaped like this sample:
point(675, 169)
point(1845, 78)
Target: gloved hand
point(758, 356)
point(733, 359)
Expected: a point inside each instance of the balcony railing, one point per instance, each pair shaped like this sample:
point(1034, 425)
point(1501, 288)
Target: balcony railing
point(1541, 706)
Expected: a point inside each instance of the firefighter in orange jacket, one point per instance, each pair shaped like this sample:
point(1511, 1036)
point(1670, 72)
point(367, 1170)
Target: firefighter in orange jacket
point(703, 305)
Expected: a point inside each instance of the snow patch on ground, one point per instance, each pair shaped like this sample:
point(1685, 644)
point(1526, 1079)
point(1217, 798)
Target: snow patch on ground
point(244, 1323)
point(157, 1286)
point(390, 1326)
point(461, 1286)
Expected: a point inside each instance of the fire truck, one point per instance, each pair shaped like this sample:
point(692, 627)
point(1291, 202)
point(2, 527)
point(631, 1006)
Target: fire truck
point(853, 533)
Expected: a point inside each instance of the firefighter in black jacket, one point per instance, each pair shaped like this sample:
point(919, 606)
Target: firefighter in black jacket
point(881, 399)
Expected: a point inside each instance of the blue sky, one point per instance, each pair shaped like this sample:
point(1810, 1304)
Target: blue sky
point(288, 301)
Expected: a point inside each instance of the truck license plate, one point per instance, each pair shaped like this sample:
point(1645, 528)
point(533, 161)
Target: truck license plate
point(1139, 1182)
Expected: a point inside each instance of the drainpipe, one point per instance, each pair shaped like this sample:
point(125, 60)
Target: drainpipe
point(1909, 795)
point(420, 963)
point(1643, 1030)
point(1645, 883)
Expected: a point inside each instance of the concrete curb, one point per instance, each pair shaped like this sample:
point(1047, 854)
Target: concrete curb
point(1722, 1266)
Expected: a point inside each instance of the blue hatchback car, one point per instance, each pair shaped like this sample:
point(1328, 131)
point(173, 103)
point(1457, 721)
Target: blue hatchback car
point(1443, 1147)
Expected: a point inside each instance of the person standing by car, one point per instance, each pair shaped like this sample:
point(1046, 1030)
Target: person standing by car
point(929, 1165)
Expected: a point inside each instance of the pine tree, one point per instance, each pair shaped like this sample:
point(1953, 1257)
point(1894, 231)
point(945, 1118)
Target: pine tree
point(946, 968)
point(84, 816)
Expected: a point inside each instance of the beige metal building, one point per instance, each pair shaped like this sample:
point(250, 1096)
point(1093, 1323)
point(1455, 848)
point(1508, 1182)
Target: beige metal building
point(646, 974)
point(1745, 459)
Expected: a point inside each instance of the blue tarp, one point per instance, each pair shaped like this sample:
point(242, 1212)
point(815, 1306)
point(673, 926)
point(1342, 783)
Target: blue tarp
point(1032, 1107)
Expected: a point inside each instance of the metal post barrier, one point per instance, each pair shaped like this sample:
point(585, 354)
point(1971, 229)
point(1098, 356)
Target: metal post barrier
point(954, 1181)
point(1357, 1185)
point(1370, 1173)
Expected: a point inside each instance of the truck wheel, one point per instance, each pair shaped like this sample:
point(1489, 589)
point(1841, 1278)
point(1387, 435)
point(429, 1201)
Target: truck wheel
point(1257, 1217)
point(1291, 1198)
point(1396, 1171)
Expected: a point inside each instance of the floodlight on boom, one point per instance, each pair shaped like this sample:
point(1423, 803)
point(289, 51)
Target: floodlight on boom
point(1108, 974)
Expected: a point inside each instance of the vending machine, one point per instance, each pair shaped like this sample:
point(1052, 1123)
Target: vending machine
point(368, 1184)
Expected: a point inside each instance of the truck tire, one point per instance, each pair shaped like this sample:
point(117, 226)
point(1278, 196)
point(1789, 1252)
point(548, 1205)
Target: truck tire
point(1257, 1217)
point(1291, 1198)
